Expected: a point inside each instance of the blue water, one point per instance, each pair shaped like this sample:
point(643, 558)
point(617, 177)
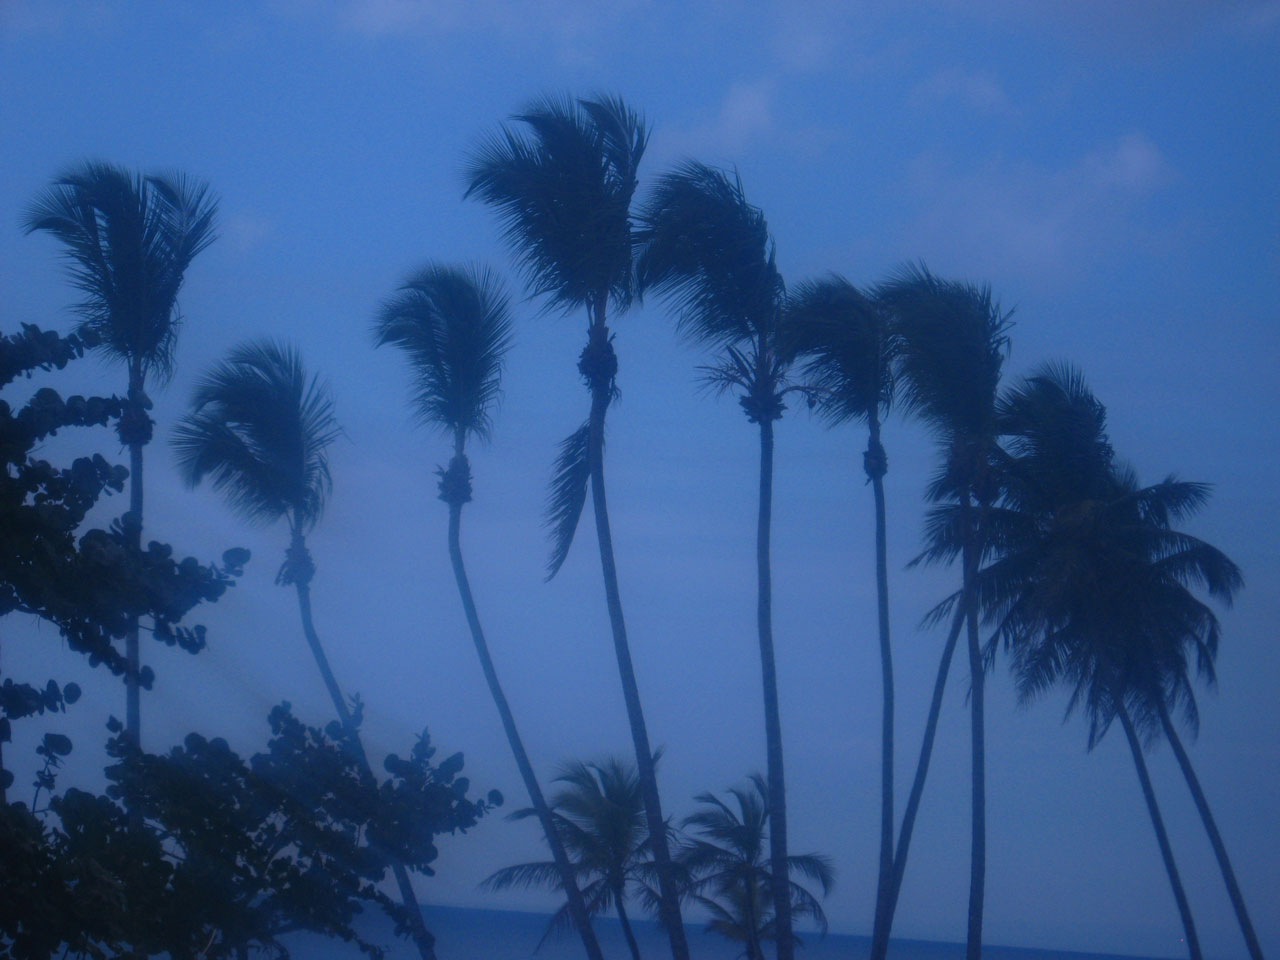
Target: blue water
point(463, 934)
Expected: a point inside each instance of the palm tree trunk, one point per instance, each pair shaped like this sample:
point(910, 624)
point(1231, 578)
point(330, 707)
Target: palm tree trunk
point(884, 920)
point(1166, 851)
point(421, 935)
point(772, 717)
point(876, 466)
point(1211, 828)
point(133, 533)
point(978, 810)
point(626, 925)
point(577, 907)
point(601, 393)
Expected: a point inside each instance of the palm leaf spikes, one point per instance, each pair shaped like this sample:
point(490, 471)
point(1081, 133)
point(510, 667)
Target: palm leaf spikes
point(260, 430)
point(128, 240)
point(454, 323)
point(562, 188)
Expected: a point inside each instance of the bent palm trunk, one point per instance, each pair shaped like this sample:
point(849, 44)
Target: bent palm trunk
point(577, 906)
point(884, 918)
point(772, 718)
point(626, 925)
point(133, 532)
point(1166, 851)
point(298, 555)
point(1211, 828)
point(599, 358)
point(978, 840)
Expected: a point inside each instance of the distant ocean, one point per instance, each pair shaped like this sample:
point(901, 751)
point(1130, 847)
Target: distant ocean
point(463, 934)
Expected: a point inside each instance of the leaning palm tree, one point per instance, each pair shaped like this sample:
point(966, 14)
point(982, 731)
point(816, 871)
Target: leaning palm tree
point(455, 327)
point(563, 191)
point(599, 819)
point(1091, 587)
point(259, 431)
point(731, 876)
point(709, 253)
point(129, 240)
point(952, 342)
point(850, 349)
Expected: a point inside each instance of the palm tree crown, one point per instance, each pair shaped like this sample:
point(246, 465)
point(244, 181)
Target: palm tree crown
point(454, 323)
point(563, 191)
point(129, 239)
point(260, 431)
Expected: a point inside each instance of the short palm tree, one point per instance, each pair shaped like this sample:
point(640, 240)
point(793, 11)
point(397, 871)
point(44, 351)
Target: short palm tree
point(600, 820)
point(952, 338)
point(128, 240)
point(709, 253)
point(731, 876)
point(1091, 587)
point(259, 431)
point(455, 327)
point(849, 349)
point(562, 187)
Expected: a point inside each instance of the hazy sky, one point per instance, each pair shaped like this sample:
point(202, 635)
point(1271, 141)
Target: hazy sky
point(1110, 168)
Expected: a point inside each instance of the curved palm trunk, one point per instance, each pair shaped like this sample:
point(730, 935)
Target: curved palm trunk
point(626, 925)
point(1166, 851)
point(577, 907)
point(978, 838)
point(599, 348)
point(876, 465)
point(884, 919)
point(772, 717)
point(421, 935)
point(1211, 828)
point(133, 533)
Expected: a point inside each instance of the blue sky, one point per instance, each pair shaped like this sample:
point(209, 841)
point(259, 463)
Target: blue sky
point(1109, 168)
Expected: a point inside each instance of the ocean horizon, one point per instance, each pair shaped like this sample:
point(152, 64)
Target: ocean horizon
point(469, 933)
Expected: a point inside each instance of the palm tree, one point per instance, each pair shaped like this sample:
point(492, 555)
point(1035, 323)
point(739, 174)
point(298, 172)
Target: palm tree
point(731, 877)
point(952, 342)
point(563, 192)
point(128, 241)
point(850, 350)
point(259, 431)
point(455, 327)
point(1092, 587)
point(600, 820)
point(708, 251)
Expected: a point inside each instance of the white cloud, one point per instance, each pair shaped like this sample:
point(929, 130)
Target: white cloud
point(979, 91)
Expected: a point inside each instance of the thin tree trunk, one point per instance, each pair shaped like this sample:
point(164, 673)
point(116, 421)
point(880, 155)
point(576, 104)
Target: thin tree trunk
point(3, 798)
point(978, 810)
point(884, 921)
point(1211, 828)
point(876, 466)
point(1166, 851)
point(133, 533)
point(423, 938)
point(577, 907)
point(772, 716)
point(626, 926)
point(669, 902)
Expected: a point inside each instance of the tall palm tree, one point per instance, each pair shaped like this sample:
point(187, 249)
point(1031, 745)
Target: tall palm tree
point(259, 431)
point(1091, 587)
point(850, 349)
point(128, 241)
point(731, 876)
point(455, 327)
point(952, 342)
point(563, 188)
point(600, 820)
point(708, 251)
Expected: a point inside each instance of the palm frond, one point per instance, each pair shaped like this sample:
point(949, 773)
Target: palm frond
point(568, 495)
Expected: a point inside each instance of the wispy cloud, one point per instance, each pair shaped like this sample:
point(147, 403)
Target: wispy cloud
point(977, 90)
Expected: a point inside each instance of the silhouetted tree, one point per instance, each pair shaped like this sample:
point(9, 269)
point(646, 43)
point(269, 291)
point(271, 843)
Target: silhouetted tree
point(850, 351)
point(952, 341)
point(128, 241)
point(709, 252)
point(563, 191)
point(600, 819)
point(260, 431)
point(731, 877)
point(455, 327)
